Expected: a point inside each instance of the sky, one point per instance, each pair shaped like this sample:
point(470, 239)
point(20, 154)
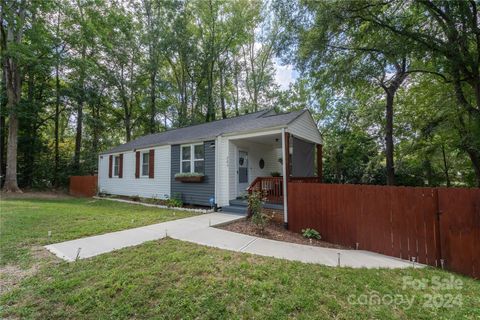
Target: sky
point(285, 74)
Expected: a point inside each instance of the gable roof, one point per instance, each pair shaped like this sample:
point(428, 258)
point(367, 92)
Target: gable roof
point(210, 130)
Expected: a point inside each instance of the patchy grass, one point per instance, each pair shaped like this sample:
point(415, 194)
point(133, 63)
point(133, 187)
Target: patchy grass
point(24, 223)
point(170, 279)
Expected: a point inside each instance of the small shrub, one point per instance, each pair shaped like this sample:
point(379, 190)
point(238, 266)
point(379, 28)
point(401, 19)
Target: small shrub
point(135, 198)
point(255, 205)
point(175, 201)
point(311, 234)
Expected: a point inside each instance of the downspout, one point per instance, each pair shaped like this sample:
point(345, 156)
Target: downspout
point(217, 144)
point(285, 178)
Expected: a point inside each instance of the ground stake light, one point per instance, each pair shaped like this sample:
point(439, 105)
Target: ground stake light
point(78, 253)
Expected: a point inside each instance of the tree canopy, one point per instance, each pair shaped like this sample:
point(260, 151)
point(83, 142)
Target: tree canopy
point(394, 86)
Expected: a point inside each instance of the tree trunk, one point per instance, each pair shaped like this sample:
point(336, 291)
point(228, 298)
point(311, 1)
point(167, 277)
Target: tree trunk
point(13, 95)
point(80, 101)
point(445, 166)
point(222, 96)
point(13, 84)
point(210, 107)
point(389, 140)
point(236, 98)
point(56, 181)
point(128, 126)
point(30, 134)
point(78, 137)
point(11, 174)
point(56, 167)
point(153, 108)
point(2, 147)
point(475, 159)
point(3, 131)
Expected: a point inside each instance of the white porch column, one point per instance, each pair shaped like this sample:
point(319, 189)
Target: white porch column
point(285, 173)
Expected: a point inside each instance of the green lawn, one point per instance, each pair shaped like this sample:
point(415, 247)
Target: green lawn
point(25, 223)
point(177, 280)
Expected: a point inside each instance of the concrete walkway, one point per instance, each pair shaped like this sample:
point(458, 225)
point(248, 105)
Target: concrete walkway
point(199, 230)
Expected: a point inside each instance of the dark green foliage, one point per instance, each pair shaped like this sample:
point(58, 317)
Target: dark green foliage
point(311, 234)
point(125, 70)
point(255, 205)
point(128, 69)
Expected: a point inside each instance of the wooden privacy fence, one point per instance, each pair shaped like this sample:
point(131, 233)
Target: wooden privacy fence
point(432, 225)
point(84, 186)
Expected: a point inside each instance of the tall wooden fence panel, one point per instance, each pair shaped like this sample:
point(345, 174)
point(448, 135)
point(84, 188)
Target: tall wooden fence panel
point(83, 186)
point(460, 229)
point(401, 222)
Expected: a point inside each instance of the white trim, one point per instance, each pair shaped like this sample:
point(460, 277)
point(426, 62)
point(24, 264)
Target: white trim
point(285, 178)
point(239, 189)
point(217, 167)
point(192, 156)
point(141, 164)
point(234, 136)
point(114, 157)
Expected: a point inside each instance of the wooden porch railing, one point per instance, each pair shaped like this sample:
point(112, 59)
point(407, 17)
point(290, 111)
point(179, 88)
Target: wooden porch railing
point(272, 187)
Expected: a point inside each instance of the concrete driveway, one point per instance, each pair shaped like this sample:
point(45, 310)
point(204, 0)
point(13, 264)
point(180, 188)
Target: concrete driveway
point(199, 229)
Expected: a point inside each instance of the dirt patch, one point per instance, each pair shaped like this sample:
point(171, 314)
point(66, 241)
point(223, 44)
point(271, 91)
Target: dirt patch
point(27, 194)
point(12, 275)
point(276, 231)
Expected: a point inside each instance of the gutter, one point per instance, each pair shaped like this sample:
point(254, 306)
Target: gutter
point(253, 131)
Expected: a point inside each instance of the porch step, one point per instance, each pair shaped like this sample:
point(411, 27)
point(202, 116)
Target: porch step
point(239, 203)
point(244, 204)
point(235, 209)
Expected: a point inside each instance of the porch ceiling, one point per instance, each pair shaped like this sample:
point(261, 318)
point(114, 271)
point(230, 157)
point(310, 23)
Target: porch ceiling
point(270, 140)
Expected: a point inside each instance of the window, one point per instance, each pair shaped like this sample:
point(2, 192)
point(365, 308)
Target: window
point(192, 158)
point(186, 159)
point(145, 163)
point(116, 165)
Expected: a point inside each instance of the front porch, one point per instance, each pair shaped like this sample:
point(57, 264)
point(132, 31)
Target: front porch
point(260, 162)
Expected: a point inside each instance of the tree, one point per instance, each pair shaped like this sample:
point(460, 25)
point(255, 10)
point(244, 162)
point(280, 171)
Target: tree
point(12, 29)
point(451, 37)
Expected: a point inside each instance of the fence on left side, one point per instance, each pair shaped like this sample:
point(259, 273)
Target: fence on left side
point(83, 186)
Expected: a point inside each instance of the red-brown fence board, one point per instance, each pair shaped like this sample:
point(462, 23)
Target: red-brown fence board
point(460, 229)
point(402, 222)
point(83, 186)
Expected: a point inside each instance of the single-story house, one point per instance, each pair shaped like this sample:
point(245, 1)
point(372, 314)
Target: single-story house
point(215, 163)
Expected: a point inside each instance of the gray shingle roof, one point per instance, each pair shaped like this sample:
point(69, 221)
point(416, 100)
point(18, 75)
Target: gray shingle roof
point(250, 122)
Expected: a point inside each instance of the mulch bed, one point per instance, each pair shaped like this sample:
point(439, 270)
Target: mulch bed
point(160, 202)
point(276, 231)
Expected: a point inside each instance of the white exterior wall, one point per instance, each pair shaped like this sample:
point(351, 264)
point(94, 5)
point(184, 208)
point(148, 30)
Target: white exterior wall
point(232, 170)
point(227, 155)
point(304, 127)
point(222, 178)
point(158, 187)
point(257, 151)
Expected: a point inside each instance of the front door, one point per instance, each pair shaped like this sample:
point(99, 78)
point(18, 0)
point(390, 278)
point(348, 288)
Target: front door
point(242, 172)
